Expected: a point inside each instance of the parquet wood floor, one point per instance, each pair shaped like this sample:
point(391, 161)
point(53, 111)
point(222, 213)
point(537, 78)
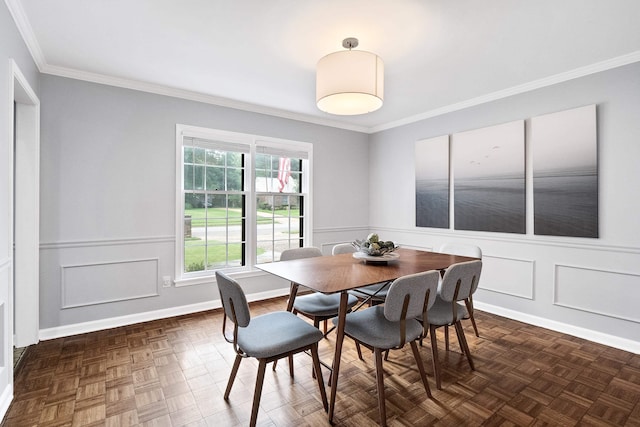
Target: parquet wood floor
point(173, 372)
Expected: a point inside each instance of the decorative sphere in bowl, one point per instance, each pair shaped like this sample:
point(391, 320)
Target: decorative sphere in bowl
point(373, 246)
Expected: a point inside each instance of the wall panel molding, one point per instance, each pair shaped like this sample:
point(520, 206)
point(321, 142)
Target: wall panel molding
point(5, 263)
point(507, 275)
point(106, 242)
point(590, 289)
point(104, 282)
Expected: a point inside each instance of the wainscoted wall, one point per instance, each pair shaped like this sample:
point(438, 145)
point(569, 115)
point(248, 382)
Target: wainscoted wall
point(585, 287)
point(108, 202)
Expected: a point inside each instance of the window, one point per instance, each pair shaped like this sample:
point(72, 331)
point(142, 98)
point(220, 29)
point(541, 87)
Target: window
point(242, 200)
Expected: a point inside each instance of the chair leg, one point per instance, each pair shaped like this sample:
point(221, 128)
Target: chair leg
point(359, 350)
point(463, 341)
point(232, 376)
point(434, 356)
point(256, 395)
point(316, 368)
point(469, 305)
point(446, 337)
point(316, 324)
point(475, 327)
point(423, 375)
point(325, 327)
point(291, 365)
point(380, 383)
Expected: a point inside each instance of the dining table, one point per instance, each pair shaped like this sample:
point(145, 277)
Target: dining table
point(341, 273)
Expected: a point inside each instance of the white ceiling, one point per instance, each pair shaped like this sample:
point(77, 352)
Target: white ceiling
point(260, 55)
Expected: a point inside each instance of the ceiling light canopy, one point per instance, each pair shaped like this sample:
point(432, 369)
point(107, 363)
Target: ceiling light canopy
point(350, 82)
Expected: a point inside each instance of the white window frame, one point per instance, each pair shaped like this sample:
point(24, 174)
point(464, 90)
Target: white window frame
point(253, 142)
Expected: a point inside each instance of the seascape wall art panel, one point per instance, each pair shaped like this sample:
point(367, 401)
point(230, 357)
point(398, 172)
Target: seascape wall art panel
point(432, 182)
point(489, 179)
point(565, 173)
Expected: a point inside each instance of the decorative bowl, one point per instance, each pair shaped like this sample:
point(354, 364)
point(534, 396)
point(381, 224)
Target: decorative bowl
point(373, 246)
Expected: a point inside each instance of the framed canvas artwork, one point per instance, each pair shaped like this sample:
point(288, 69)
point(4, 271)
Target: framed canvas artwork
point(565, 173)
point(432, 182)
point(489, 179)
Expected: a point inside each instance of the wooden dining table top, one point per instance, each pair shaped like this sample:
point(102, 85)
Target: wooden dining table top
point(337, 273)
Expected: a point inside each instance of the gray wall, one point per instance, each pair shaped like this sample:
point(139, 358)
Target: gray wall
point(589, 287)
point(108, 196)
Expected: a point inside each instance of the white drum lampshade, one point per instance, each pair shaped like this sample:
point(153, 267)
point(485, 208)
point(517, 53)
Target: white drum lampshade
point(350, 82)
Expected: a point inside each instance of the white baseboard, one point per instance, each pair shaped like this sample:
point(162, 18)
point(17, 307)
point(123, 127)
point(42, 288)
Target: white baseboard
point(114, 322)
point(587, 334)
point(5, 399)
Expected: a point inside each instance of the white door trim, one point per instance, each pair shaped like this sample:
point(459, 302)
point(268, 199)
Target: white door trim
point(27, 218)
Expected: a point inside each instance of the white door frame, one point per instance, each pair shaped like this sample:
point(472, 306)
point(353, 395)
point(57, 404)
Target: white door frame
point(26, 263)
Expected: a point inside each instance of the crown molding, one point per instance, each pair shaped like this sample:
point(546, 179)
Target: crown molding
point(26, 31)
point(193, 96)
point(515, 90)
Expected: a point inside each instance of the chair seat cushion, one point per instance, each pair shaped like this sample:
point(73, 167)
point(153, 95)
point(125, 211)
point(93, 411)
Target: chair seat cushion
point(321, 305)
point(441, 314)
point(276, 333)
point(372, 328)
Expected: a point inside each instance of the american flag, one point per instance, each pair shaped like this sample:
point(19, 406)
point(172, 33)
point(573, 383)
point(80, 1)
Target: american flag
point(284, 172)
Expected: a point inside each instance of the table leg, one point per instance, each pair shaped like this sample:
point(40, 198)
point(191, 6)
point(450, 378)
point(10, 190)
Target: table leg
point(342, 315)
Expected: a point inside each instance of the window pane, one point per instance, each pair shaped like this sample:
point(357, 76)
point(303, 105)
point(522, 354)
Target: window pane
point(188, 177)
point(193, 201)
point(217, 255)
point(235, 233)
point(217, 204)
point(188, 154)
point(235, 201)
point(198, 155)
point(198, 177)
point(234, 179)
point(234, 159)
point(215, 179)
point(194, 254)
point(295, 186)
point(215, 157)
point(235, 254)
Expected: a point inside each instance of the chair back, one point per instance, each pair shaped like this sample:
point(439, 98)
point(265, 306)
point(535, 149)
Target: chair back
point(460, 280)
point(415, 287)
point(234, 300)
point(461, 249)
point(343, 248)
point(299, 253)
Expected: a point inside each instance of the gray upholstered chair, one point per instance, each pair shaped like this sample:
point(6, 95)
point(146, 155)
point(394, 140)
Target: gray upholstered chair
point(316, 306)
point(392, 325)
point(372, 293)
point(267, 338)
point(458, 283)
point(470, 251)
